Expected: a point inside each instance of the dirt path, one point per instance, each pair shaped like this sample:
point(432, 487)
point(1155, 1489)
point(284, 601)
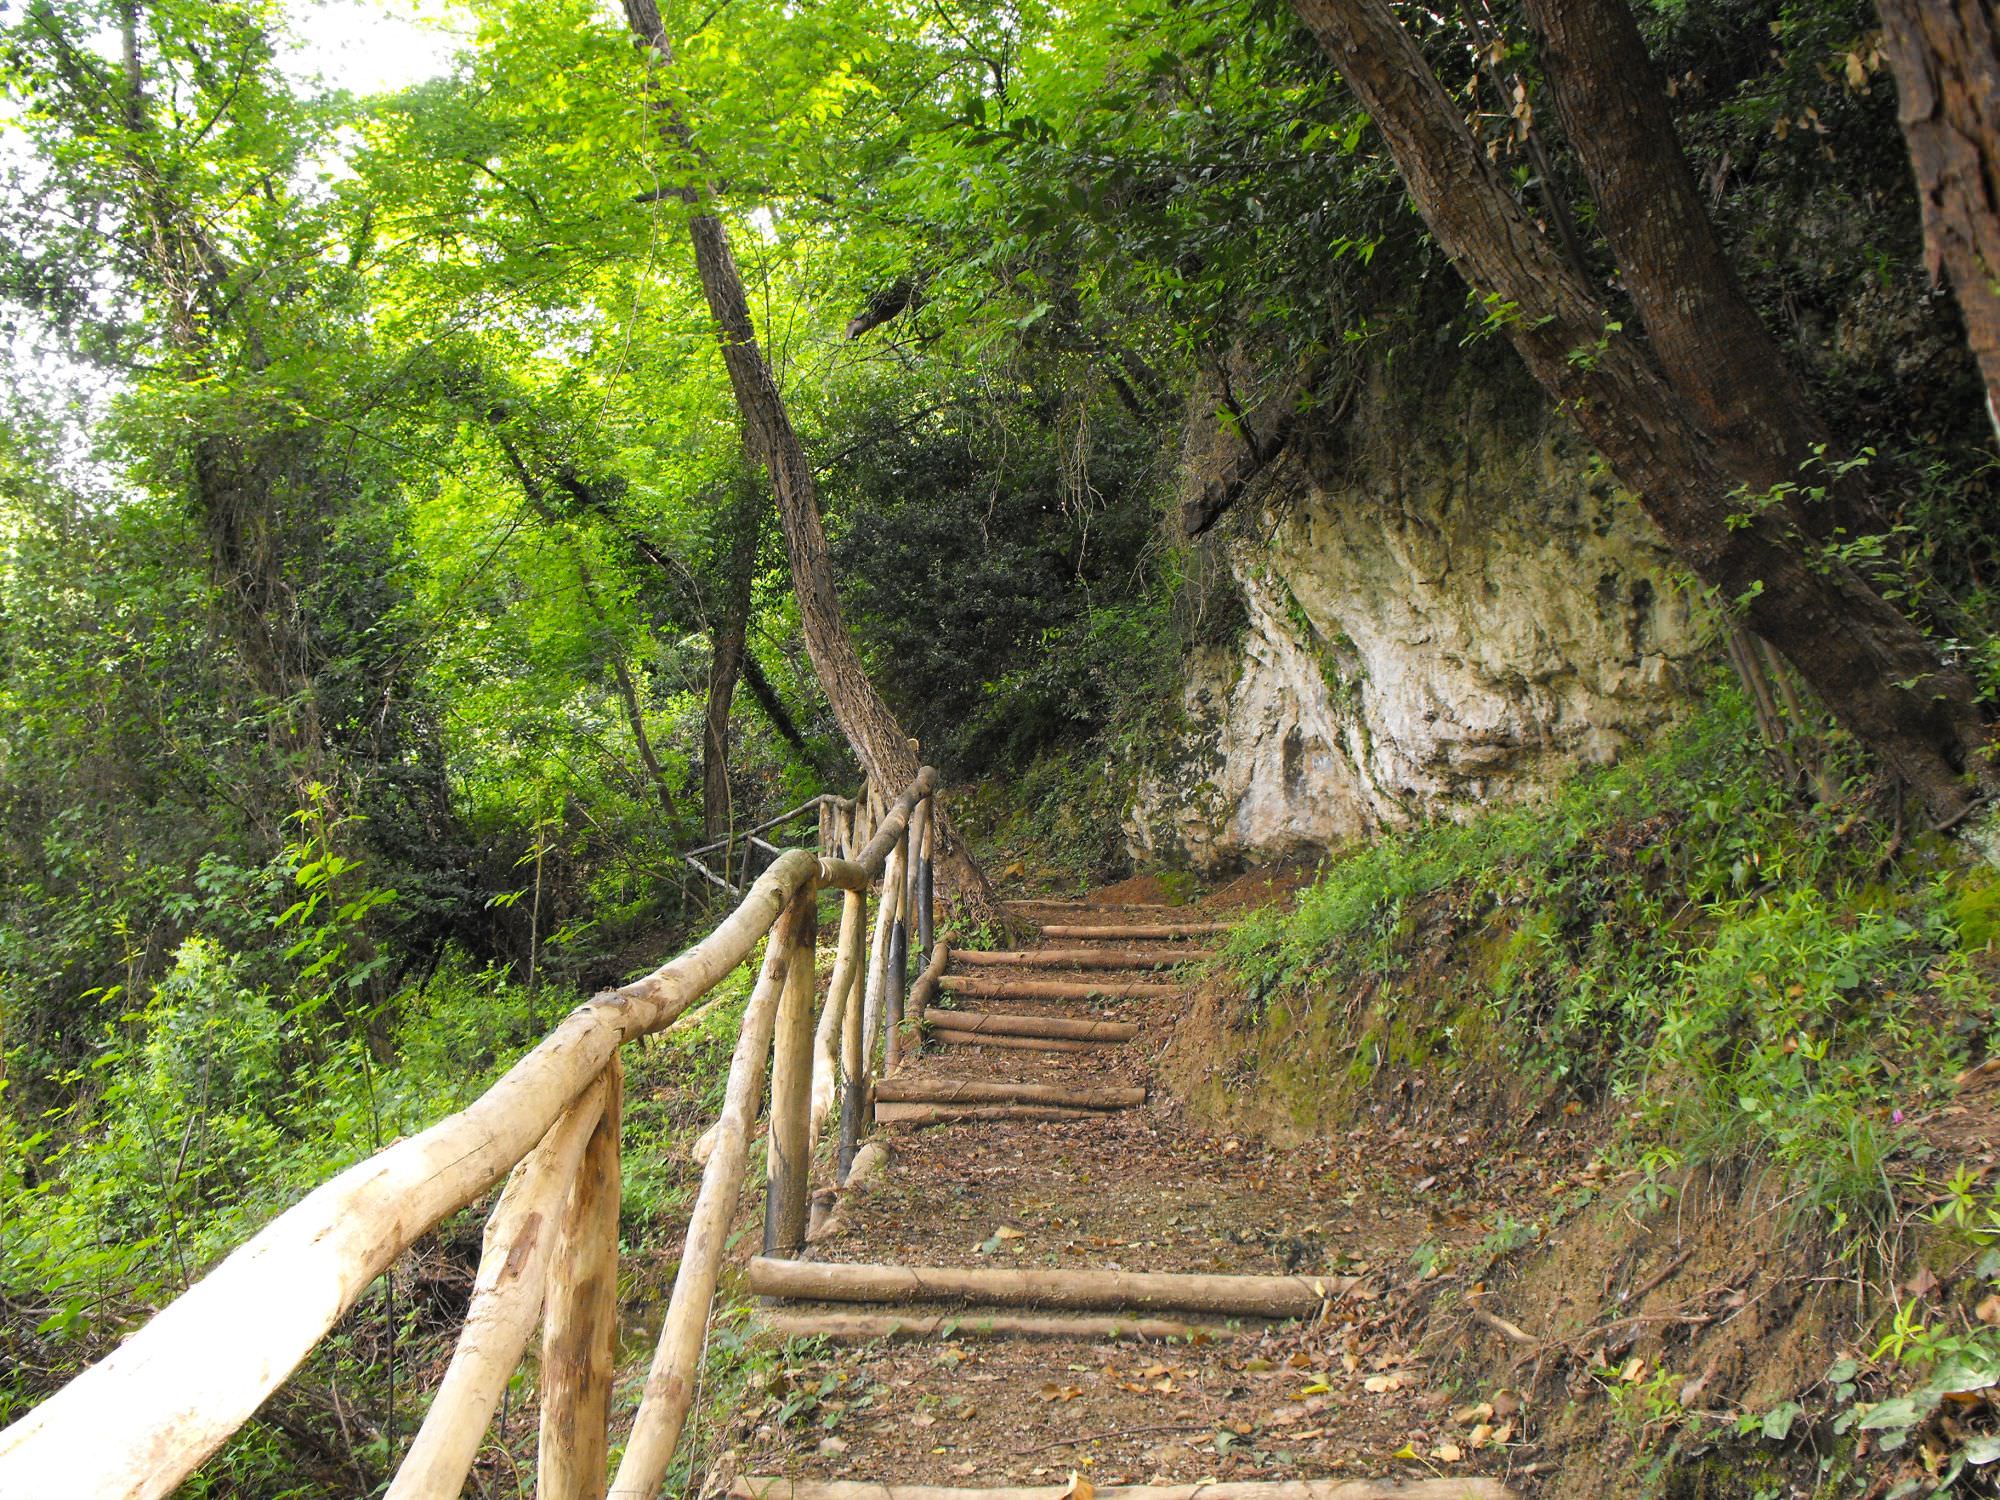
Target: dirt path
point(1337, 1396)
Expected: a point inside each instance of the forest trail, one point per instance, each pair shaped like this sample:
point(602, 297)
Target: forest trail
point(1039, 1172)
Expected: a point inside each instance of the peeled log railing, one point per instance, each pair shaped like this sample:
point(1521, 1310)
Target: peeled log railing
point(141, 1420)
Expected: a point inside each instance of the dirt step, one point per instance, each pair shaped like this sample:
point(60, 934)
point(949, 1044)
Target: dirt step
point(1133, 931)
point(1079, 958)
point(905, 1090)
point(1002, 986)
point(1081, 1290)
point(751, 1488)
point(985, 1323)
point(1071, 1028)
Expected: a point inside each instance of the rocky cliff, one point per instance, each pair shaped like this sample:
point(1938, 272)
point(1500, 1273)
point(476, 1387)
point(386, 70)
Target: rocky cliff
point(1446, 602)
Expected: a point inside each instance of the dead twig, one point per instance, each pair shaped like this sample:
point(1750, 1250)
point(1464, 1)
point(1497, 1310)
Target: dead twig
point(1513, 1333)
point(1652, 1283)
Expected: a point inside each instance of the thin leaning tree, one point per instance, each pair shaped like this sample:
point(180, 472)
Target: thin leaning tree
point(886, 753)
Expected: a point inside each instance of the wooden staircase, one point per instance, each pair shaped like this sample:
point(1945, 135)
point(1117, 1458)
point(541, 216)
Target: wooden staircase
point(1052, 1036)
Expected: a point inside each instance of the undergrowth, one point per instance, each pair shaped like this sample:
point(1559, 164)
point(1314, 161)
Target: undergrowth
point(1752, 978)
point(196, 1139)
point(1737, 982)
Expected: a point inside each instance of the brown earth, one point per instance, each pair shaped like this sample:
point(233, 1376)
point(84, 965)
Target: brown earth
point(1347, 1395)
point(1527, 1311)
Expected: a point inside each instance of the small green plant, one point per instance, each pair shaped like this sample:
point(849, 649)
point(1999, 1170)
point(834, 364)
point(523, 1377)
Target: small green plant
point(1646, 1406)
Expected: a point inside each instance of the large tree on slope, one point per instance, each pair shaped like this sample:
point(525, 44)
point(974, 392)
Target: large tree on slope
point(1871, 666)
point(1946, 57)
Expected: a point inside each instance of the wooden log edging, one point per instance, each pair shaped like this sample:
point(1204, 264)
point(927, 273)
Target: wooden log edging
point(1071, 1027)
point(142, 1419)
point(1081, 1290)
point(1081, 958)
point(980, 1091)
point(945, 1036)
point(987, 988)
point(917, 1116)
point(755, 1488)
point(869, 1328)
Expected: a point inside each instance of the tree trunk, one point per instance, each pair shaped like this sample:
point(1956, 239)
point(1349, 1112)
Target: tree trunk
point(1946, 57)
point(729, 633)
point(1709, 340)
point(887, 754)
point(1874, 670)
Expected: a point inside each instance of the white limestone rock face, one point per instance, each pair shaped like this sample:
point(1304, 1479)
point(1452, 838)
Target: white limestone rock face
point(1456, 610)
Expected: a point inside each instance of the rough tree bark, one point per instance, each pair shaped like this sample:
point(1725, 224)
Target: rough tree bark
point(1707, 337)
point(1946, 58)
point(879, 743)
point(1872, 667)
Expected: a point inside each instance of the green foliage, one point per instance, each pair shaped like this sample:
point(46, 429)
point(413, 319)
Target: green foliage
point(1758, 983)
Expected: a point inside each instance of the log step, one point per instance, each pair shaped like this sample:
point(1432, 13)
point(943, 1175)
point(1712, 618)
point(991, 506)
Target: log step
point(948, 1037)
point(1081, 1290)
point(1056, 989)
point(904, 1090)
point(749, 1487)
point(1130, 932)
point(1079, 958)
point(917, 1116)
point(980, 1322)
point(1036, 1026)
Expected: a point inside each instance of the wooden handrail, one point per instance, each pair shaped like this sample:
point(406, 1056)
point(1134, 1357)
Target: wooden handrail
point(141, 1420)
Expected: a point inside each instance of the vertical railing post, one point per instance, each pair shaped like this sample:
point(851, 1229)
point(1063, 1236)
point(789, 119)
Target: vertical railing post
point(580, 1320)
point(788, 1133)
point(880, 948)
point(897, 986)
point(853, 1083)
point(924, 902)
point(670, 1382)
point(829, 1032)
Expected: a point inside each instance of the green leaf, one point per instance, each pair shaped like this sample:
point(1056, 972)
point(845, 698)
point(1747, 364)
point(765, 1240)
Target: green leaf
point(1779, 1419)
point(1900, 1412)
